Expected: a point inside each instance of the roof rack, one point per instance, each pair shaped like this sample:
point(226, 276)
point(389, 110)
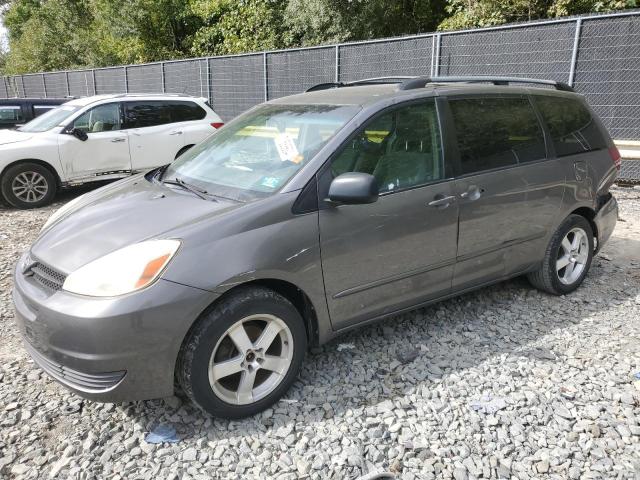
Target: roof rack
point(364, 81)
point(410, 83)
point(421, 82)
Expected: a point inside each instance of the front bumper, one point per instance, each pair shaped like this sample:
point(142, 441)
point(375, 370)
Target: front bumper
point(606, 219)
point(108, 349)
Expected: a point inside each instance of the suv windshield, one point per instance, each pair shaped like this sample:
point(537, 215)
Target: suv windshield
point(51, 119)
point(258, 153)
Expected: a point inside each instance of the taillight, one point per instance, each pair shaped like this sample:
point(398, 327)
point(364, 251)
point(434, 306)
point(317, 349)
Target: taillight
point(217, 125)
point(615, 156)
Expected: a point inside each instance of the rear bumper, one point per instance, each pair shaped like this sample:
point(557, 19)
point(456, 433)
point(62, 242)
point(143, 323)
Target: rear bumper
point(108, 349)
point(605, 220)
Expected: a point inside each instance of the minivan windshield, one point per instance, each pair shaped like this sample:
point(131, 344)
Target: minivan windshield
point(49, 120)
point(255, 155)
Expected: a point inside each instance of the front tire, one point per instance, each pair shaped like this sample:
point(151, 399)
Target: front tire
point(567, 259)
point(28, 185)
point(243, 354)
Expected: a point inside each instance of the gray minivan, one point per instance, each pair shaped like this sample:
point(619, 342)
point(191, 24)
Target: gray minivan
point(305, 217)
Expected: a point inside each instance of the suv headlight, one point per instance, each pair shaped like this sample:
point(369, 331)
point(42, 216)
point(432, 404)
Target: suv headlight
point(123, 271)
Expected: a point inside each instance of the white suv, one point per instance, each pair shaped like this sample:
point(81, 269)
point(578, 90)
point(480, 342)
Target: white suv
point(98, 138)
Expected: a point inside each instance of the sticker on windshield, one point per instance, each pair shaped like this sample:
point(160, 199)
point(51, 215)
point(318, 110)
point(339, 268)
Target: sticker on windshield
point(270, 182)
point(286, 147)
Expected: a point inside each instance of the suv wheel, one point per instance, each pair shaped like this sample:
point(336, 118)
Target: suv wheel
point(28, 185)
point(242, 355)
point(567, 259)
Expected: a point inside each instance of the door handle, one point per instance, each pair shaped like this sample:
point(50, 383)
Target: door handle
point(117, 140)
point(473, 193)
point(440, 201)
point(177, 132)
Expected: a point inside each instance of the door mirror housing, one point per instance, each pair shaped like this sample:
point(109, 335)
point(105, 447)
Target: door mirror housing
point(353, 188)
point(79, 134)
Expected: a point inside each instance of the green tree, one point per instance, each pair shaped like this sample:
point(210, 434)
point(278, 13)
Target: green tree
point(313, 22)
point(235, 26)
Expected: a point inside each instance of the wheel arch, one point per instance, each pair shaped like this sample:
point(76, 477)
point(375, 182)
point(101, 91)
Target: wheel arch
point(42, 163)
point(589, 214)
point(184, 149)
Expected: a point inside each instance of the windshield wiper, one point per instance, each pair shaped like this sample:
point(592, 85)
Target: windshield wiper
point(203, 194)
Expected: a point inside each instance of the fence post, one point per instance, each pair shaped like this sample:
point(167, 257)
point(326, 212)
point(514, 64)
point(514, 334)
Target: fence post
point(574, 54)
point(164, 84)
point(24, 92)
point(93, 75)
point(264, 67)
point(337, 63)
point(126, 80)
point(44, 85)
point(66, 77)
point(436, 65)
point(208, 70)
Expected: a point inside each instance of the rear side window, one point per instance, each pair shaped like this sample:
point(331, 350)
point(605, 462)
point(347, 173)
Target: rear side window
point(571, 125)
point(151, 113)
point(496, 132)
point(186, 112)
point(10, 114)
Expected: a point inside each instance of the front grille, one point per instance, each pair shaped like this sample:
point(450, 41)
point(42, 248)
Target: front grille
point(46, 276)
point(84, 382)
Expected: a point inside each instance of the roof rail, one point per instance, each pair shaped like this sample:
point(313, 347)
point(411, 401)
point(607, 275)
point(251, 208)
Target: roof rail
point(421, 82)
point(151, 94)
point(364, 81)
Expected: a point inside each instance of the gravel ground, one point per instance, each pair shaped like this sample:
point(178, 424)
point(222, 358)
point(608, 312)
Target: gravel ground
point(506, 382)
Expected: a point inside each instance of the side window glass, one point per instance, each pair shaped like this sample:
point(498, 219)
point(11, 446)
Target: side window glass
point(496, 132)
point(10, 114)
point(146, 114)
point(103, 118)
point(186, 112)
point(401, 148)
point(40, 109)
point(571, 125)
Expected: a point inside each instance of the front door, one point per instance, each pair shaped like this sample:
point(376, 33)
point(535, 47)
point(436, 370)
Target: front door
point(399, 251)
point(106, 150)
point(498, 138)
point(155, 139)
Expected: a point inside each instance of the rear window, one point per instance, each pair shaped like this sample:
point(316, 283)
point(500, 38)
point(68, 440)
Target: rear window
point(496, 132)
point(571, 125)
point(10, 114)
point(151, 113)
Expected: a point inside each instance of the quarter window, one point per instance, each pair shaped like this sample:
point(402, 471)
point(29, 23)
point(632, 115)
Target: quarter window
point(103, 118)
point(400, 148)
point(11, 114)
point(571, 125)
point(496, 132)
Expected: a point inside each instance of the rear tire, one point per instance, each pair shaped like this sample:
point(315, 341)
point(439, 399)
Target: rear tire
point(567, 259)
point(243, 354)
point(28, 185)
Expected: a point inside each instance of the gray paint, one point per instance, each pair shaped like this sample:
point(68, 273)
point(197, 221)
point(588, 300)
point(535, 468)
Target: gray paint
point(355, 263)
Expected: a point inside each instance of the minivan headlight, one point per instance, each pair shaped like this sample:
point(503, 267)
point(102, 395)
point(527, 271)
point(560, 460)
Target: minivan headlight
point(124, 271)
point(60, 212)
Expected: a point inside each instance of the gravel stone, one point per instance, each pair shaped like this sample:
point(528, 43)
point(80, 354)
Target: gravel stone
point(504, 382)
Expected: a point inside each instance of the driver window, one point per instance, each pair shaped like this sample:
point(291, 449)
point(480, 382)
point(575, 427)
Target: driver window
point(103, 118)
point(401, 148)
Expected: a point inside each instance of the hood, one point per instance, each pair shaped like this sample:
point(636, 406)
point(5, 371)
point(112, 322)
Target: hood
point(118, 215)
point(13, 136)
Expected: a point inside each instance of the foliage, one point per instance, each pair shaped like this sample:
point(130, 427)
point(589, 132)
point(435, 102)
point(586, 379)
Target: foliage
point(49, 35)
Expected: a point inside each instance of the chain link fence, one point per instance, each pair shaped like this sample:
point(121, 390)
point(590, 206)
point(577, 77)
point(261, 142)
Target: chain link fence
point(599, 55)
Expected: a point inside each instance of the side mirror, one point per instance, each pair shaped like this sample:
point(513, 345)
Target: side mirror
point(79, 134)
point(353, 188)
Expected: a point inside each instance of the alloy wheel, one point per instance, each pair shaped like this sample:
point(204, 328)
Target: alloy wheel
point(573, 255)
point(251, 359)
point(30, 186)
